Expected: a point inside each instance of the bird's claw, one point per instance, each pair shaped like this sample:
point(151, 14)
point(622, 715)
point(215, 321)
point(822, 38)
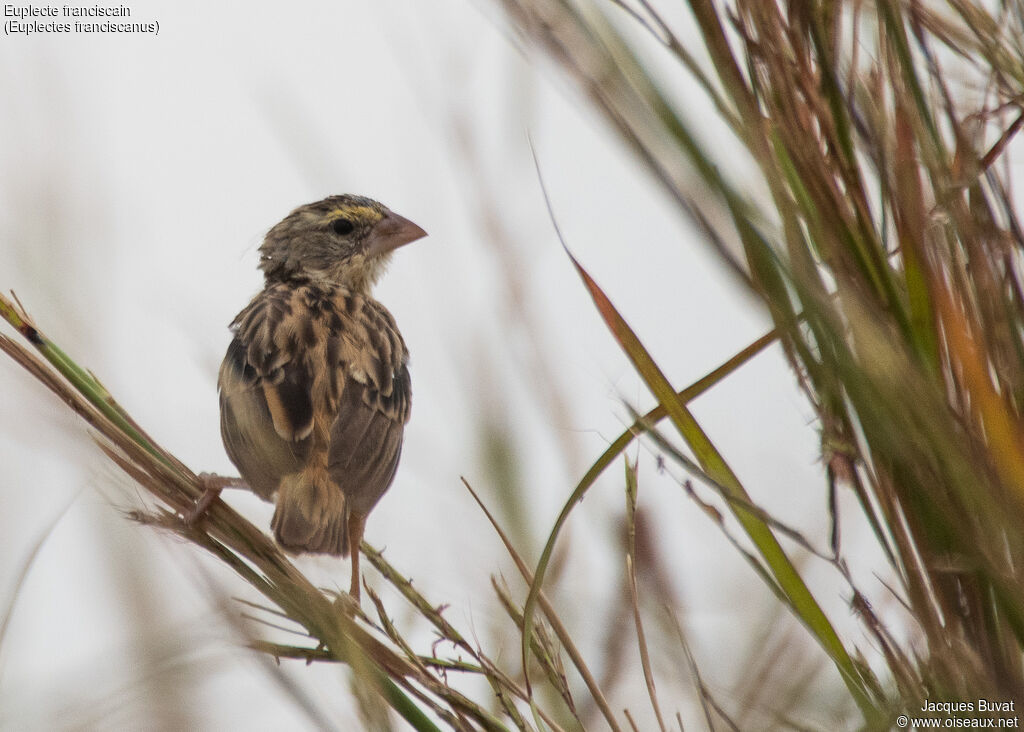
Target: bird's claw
point(212, 485)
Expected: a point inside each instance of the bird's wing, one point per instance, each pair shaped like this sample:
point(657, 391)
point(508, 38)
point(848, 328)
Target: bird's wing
point(374, 405)
point(266, 390)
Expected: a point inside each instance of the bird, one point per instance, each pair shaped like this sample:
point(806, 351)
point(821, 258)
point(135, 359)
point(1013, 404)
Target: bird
point(314, 388)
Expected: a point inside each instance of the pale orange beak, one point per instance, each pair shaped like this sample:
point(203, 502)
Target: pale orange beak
point(390, 233)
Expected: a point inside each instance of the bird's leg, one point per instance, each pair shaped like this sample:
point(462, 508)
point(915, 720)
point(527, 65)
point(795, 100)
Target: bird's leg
point(356, 524)
point(212, 484)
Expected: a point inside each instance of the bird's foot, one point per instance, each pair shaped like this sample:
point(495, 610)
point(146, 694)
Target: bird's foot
point(212, 484)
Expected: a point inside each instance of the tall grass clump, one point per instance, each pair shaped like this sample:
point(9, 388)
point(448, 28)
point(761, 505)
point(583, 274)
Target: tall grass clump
point(880, 235)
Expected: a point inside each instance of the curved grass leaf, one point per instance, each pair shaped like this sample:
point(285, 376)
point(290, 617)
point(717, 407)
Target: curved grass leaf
point(775, 558)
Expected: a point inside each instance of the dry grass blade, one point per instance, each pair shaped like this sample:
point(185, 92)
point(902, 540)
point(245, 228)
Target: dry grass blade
point(707, 701)
point(545, 652)
point(552, 617)
point(502, 685)
point(641, 639)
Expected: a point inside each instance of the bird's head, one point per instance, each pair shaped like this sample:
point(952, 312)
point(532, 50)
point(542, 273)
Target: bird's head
point(342, 240)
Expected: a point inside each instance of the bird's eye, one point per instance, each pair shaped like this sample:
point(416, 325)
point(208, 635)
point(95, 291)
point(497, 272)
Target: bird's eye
point(342, 227)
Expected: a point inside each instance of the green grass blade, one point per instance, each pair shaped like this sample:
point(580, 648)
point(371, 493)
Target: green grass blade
point(788, 578)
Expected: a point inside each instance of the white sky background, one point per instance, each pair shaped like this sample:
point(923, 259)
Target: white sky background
point(137, 177)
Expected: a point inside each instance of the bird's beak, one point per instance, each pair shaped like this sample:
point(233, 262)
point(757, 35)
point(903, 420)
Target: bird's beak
point(390, 233)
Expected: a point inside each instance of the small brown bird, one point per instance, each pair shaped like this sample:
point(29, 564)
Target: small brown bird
point(314, 389)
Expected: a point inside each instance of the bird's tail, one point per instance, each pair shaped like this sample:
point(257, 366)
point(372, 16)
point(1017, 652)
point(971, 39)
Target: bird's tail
point(311, 515)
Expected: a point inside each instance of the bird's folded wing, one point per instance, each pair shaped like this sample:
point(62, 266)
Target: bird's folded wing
point(374, 405)
point(266, 392)
point(365, 447)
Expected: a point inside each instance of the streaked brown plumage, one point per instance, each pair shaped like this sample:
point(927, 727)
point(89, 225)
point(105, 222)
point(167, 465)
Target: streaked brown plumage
point(314, 389)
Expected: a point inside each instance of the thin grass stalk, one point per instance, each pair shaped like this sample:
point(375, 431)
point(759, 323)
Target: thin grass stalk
point(641, 637)
point(552, 617)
